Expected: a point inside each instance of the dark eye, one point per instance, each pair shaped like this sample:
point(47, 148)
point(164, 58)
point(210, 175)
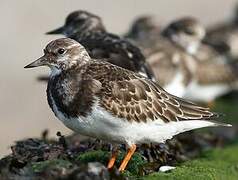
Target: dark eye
point(61, 51)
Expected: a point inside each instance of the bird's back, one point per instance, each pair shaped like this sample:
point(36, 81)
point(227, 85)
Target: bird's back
point(115, 49)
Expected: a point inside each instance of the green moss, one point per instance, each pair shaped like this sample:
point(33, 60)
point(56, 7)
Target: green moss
point(133, 167)
point(38, 167)
point(92, 156)
point(134, 164)
point(214, 164)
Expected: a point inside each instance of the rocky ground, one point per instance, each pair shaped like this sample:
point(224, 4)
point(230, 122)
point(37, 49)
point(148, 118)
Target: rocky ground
point(205, 154)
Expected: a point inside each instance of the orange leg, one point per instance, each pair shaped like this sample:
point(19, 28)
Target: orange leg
point(125, 161)
point(113, 159)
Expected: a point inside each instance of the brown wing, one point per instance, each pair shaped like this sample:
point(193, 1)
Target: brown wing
point(206, 53)
point(139, 99)
point(214, 73)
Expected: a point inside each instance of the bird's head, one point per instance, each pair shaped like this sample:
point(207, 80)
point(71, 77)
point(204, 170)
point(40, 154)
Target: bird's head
point(186, 33)
point(142, 25)
point(62, 54)
point(79, 22)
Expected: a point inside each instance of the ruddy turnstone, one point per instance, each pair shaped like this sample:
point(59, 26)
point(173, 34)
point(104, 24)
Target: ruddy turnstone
point(212, 74)
point(88, 29)
point(225, 35)
point(188, 34)
point(101, 100)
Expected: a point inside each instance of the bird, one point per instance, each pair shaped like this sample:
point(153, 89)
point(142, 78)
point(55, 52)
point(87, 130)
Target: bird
point(224, 36)
point(101, 100)
point(188, 34)
point(89, 30)
point(212, 74)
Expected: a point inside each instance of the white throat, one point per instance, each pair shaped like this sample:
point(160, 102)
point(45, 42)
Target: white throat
point(192, 48)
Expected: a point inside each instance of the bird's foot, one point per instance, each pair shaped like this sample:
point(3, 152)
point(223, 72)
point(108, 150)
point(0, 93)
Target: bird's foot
point(127, 158)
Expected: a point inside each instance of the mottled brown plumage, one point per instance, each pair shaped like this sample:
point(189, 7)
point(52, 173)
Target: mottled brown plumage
point(138, 99)
point(123, 93)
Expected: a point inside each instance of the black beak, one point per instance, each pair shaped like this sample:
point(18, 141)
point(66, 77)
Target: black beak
point(57, 31)
point(42, 61)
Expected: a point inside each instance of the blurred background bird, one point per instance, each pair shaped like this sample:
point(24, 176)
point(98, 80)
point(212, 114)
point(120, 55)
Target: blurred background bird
point(144, 29)
point(224, 35)
point(212, 74)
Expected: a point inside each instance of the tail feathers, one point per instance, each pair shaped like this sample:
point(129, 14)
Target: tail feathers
point(157, 132)
point(183, 126)
point(221, 124)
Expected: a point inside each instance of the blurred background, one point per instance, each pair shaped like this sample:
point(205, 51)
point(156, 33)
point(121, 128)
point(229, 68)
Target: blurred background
point(23, 104)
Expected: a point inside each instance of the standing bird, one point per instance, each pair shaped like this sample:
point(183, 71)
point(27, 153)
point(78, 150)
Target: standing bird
point(212, 74)
point(101, 100)
point(88, 29)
